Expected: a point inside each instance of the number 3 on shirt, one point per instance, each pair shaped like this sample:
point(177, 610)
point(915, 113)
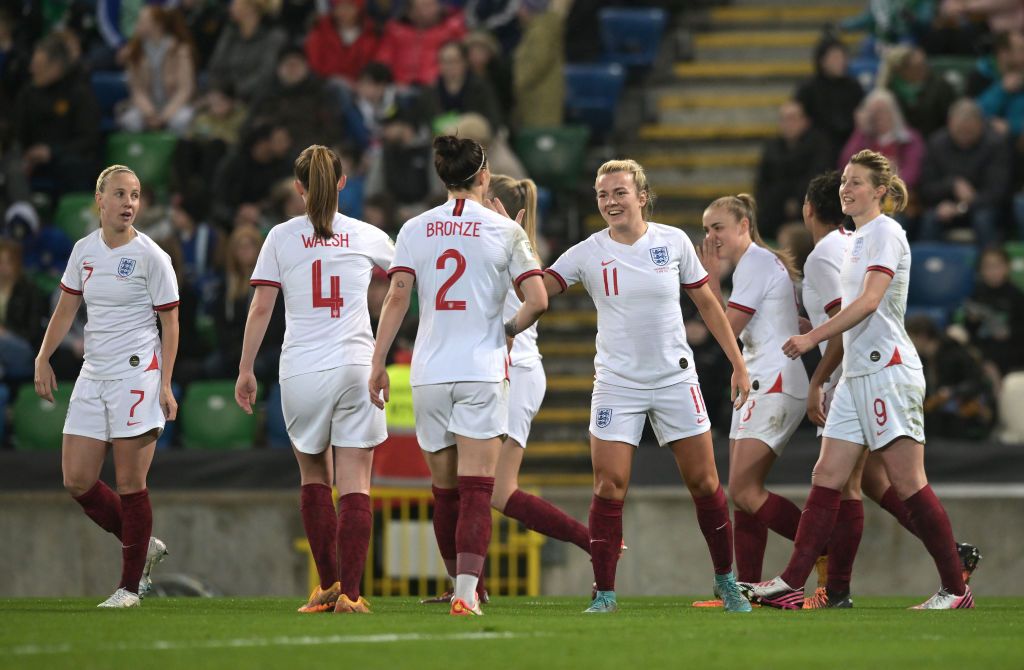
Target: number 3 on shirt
point(334, 300)
point(441, 303)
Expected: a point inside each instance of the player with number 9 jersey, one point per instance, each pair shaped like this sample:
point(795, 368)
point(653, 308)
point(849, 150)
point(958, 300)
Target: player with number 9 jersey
point(323, 262)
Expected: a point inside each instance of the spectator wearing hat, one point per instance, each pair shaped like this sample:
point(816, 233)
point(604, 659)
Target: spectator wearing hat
point(831, 95)
point(409, 45)
point(538, 63)
point(342, 41)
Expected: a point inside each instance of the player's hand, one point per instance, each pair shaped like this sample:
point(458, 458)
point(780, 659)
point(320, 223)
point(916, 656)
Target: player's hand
point(816, 405)
point(804, 325)
point(167, 402)
point(739, 387)
point(245, 391)
point(494, 204)
point(380, 385)
point(708, 255)
point(45, 380)
point(798, 345)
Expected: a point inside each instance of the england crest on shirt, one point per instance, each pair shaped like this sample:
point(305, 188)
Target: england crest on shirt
point(126, 267)
point(858, 247)
point(604, 417)
point(659, 255)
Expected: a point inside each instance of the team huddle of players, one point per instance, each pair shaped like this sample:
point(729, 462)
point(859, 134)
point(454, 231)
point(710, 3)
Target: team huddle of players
point(477, 378)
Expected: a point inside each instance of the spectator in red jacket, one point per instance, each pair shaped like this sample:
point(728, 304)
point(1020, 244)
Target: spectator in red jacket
point(342, 41)
point(409, 45)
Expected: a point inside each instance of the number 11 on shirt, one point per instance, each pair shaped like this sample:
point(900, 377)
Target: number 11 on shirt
point(614, 290)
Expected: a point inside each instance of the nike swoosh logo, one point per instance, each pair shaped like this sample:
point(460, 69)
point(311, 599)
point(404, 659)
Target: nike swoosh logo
point(879, 432)
point(134, 423)
point(722, 526)
point(593, 541)
point(603, 263)
point(701, 420)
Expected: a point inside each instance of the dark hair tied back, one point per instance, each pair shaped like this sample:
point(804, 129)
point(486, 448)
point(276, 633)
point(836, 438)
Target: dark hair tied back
point(458, 161)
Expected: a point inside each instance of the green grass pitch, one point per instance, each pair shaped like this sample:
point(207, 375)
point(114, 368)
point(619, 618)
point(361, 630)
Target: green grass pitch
point(547, 633)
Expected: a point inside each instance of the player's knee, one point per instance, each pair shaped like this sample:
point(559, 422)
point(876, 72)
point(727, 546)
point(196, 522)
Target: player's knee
point(703, 486)
point(610, 485)
point(499, 498)
point(77, 486)
point(827, 475)
point(130, 485)
point(851, 491)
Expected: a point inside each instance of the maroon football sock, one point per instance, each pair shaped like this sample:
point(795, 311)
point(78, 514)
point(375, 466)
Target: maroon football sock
point(473, 531)
point(842, 546)
point(929, 518)
point(605, 540)
point(892, 504)
point(538, 514)
point(816, 524)
point(355, 522)
point(446, 518)
point(136, 527)
point(780, 515)
point(103, 506)
point(321, 524)
point(713, 519)
point(751, 539)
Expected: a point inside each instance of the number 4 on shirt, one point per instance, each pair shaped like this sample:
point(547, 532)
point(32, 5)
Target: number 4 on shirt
point(334, 301)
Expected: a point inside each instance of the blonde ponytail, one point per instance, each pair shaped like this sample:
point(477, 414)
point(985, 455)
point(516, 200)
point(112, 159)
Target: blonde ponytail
point(318, 169)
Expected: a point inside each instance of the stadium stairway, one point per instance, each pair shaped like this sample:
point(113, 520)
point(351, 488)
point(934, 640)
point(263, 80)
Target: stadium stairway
point(704, 120)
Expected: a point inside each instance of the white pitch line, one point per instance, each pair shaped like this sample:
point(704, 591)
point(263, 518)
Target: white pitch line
point(283, 641)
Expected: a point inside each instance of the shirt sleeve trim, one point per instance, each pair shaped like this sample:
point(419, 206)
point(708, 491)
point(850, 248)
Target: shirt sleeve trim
point(265, 282)
point(835, 303)
point(697, 284)
point(558, 278)
point(526, 275)
point(68, 289)
point(881, 268)
point(401, 268)
point(742, 308)
point(167, 306)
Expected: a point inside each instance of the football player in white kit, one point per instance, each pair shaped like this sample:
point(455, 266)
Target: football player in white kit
point(322, 262)
point(822, 292)
point(878, 403)
point(634, 270)
point(123, 394)
point(463, 258)
point(762, 309)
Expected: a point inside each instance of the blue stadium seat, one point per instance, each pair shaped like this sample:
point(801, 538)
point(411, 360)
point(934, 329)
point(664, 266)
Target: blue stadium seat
point(592, 93)
point(865, 70)
point(941, 274)
point(631, 37)
point(938, 315)
point(109, 88)
point(277, 433)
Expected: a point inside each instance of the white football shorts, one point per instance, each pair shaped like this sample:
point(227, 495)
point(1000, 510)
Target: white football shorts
point(770, 417)
point(676, 412)
point(115, 408)
point(525, 392)
point(878, 408)
point(332, 407)
point(477, 410)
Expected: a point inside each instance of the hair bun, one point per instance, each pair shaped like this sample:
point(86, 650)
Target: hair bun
point(447, 145)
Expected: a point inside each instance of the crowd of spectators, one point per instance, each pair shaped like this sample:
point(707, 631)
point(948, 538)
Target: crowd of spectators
point(242, 87)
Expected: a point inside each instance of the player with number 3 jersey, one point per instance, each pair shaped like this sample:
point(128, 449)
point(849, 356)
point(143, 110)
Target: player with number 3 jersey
point(463, 258)
point(323, 262)
point(634, 271)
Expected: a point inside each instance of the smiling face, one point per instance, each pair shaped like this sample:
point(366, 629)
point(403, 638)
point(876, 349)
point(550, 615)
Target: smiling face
point(119, 202)
point(858, 194)
point(729, 234)
point(618, 201)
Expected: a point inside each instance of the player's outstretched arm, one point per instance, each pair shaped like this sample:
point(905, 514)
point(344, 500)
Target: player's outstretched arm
point(256, 322)
point(875, 286)
point(710, 308)
point(56, 330)
point(396, 305)
point(535, 303)
point(169, 335)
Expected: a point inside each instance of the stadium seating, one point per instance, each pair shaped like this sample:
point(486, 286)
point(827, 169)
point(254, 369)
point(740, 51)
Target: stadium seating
point(1015, 250)
point(149, 154)
point(553, 156)
point(938, 315)
point(865, 70)
point(110, 88)
point(277, 432)
point(941, 274)
point(1011, 408)
point(591, 94)
point(210, 419)
point(631, 37)
point(77, 215)
point(39, 424)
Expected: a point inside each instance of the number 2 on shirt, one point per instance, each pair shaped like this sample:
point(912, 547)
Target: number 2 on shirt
point(441, 303)
point(334, 301)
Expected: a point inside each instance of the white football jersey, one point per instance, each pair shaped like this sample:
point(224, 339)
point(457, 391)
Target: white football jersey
point(324, 282)
point(821, 288)
point(641, 342)
point(879, 340)
point(121, 288)
point(763, 289)
point(524, 353)
point(464, 257)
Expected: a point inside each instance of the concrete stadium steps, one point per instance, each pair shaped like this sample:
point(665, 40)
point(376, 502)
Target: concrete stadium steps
point(703, 132)
point(729, 40)
point(782, 16)
point(580, 348)
point(743, 69)
point(739, 116)
point(715, 97)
